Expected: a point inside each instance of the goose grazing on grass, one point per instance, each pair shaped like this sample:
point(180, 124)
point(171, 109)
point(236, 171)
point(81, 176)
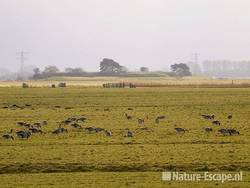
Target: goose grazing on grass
point(82, 119)
point(161, 117)
point(20, 123)
point(127, 116)
point(208, 116)
point(180, 130)
point(229, 131)
point(76, 125)
point(60, 130)
point(130, 134)
point(37, 124)
point(23, 134)
point(230, 117)
point(216, 122)
point(208, 129)
point(23, 124)
point(8, 135)
point(233, 131)
point(90, 129)
point(140, 121)
point(157, 121)
point(98, 129)
point(44, 122)
point(66, 122)
point(224, 132)
point(108, 133)
point(35, 130)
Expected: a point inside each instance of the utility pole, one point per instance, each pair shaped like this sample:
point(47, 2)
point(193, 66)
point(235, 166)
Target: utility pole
point(22, 58)
point(195, 64)
point(196, 58)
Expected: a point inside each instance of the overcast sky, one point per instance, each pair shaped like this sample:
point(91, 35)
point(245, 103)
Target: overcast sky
point(153, 33)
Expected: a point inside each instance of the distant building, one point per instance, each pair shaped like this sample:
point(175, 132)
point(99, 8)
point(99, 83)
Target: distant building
point(226, 68)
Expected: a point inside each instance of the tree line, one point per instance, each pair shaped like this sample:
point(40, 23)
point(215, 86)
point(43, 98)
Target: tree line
point(109, 67)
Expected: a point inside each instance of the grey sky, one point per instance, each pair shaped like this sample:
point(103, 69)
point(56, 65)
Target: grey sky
point(154, 33)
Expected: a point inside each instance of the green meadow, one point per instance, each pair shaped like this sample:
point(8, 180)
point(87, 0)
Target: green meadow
point(81, 159)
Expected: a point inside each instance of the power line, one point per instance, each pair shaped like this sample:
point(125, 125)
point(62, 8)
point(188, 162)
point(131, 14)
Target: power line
point(22, 58)
point(196, 58)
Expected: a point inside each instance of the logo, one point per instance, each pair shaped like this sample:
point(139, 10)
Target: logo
point(202, 176)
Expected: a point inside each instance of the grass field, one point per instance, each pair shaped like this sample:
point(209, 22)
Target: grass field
point(165, 81)
point(80, 159)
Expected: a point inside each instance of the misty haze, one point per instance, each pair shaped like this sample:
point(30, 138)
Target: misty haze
point(138, 33)
point(124, 93)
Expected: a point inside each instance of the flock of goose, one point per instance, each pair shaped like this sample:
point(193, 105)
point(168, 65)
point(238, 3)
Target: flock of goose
point(222, 131)
point(77, 123)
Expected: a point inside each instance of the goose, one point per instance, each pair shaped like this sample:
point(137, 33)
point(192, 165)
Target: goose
point(127, 116)
point(208, 129)
point(59, 130)
point(223, 131)
point(208, 116)
point(216, 122)
point(140, 121)
point(161, 117)
point(233, 131)
point(157, 121)
point(90, 129)
point(23, 134)
point(108, 133)
point(180, 130)
point(98, 129)
point(129, 134)
point(8, 135)
point(35, 130)
point(77, 126)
